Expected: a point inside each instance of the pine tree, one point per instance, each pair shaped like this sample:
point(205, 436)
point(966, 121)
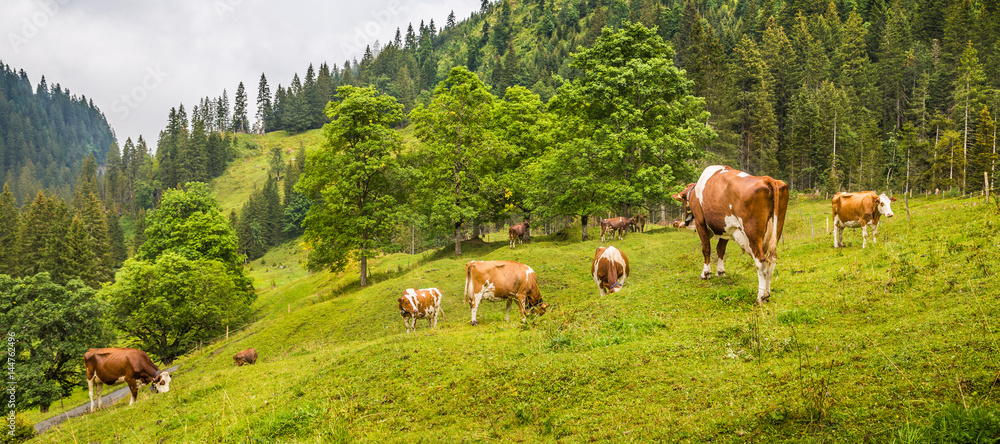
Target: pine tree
point(222, 116)
point(968, 79)
point(983, 156)
point(95, 220)
point(265, 113)
point(757, 124)
point(241, 124)
point(449, 24)
point(116, 239)
point(77, 259)
point(10, 224)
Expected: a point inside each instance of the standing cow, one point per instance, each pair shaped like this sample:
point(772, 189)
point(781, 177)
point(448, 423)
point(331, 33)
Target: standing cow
point(615, 224)
point(503, 280)
point(610, 268)
point(859, 210)
point(245, 357)
point(736, 206)
point(419, 304)
point(113, 365)
point(516, 232)
point(639, 223)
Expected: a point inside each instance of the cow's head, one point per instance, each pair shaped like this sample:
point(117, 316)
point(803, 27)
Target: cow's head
point(685, 199)
point(161, 382)
point(537, 306)
point(885, 205)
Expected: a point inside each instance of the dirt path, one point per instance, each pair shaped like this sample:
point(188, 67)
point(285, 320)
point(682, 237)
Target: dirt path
point(106, 400)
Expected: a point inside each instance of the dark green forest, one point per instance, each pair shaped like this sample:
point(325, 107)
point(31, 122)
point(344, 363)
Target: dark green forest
point(45, 132)
point(841, 95)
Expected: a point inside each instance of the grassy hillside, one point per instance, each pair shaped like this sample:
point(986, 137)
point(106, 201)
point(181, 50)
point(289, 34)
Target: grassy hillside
point(856, 344)
point(249, 170)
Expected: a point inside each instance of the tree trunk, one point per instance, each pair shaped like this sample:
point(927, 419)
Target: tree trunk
point(583, 223)
point(458, 239)
point(965, 142)
point(527, 233)
point(364, 271)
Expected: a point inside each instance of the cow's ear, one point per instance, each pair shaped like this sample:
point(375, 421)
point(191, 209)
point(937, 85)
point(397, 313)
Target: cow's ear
point(892, 199)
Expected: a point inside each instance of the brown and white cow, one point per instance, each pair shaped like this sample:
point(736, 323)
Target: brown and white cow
point(736, 206)
point(610, 268)
point(245, 357)
point(503, 280)
point(859, 210)
point(420, 304)
point(516, 232)
point(113, 365)
point(685, 198)
point(615, 224)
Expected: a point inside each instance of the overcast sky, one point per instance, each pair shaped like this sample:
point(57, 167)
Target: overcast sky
point(138, 58)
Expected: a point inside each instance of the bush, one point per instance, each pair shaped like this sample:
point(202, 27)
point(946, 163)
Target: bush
point(23, 431)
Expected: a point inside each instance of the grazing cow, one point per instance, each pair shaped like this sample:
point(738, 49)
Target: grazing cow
point(245, 357)
point(516, 232)
point(615, 224)
point(610, 269)
point(113, 365)
point(503, 280)
point(859, 210)
point(639, 223)
point(736, 206)
point(678, 224)
point(419, 304)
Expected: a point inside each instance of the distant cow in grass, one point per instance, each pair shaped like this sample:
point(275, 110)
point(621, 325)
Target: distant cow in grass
point(516, 232)
point(245, 357)
point(615, 224)
point(639, 223)
point(420, 304)
point(503, 280)
point(113, 365)
point(859, 210)
point(610, 268)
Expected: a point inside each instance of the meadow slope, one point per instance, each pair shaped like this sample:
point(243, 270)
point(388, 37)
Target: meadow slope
point(854, 345)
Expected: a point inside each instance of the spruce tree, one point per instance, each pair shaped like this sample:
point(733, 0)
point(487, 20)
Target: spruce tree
point(241, 124)
point(96, 223)
point(116, 239)
point(10, 224)
point(265, 112)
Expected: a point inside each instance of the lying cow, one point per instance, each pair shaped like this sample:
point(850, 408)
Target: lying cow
point(616, 224)
point(610, 268)
point(245, 357)
point(420, 304)
point(113, 365)
point(503, 280)
point(516, 232)
point(736, 206)
point(859, 210)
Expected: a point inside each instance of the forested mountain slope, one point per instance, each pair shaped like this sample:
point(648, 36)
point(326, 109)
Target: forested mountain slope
point(45, 133)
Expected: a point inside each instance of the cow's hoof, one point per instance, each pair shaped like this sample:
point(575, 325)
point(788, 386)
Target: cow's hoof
point(703, 276)
point(720, 273)
point(475, 323)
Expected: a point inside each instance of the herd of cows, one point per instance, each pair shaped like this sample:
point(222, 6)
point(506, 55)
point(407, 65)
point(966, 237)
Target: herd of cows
point(725, 202)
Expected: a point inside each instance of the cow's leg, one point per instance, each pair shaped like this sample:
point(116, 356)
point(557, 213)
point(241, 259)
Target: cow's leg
point(133, 387)
point(99, 385)
point(507, 317)
point(864, 235)
point(875, 233)
point(474, 305)
point(720, 249)
point(706, 250)
point(765, 270)
point(90, 386)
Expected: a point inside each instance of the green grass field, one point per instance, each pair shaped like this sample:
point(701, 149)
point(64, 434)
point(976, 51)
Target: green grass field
point(855, 345)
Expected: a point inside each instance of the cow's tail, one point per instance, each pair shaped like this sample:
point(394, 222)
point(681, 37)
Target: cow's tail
point(612, 272)
point(468, 282)
point(773, 234)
